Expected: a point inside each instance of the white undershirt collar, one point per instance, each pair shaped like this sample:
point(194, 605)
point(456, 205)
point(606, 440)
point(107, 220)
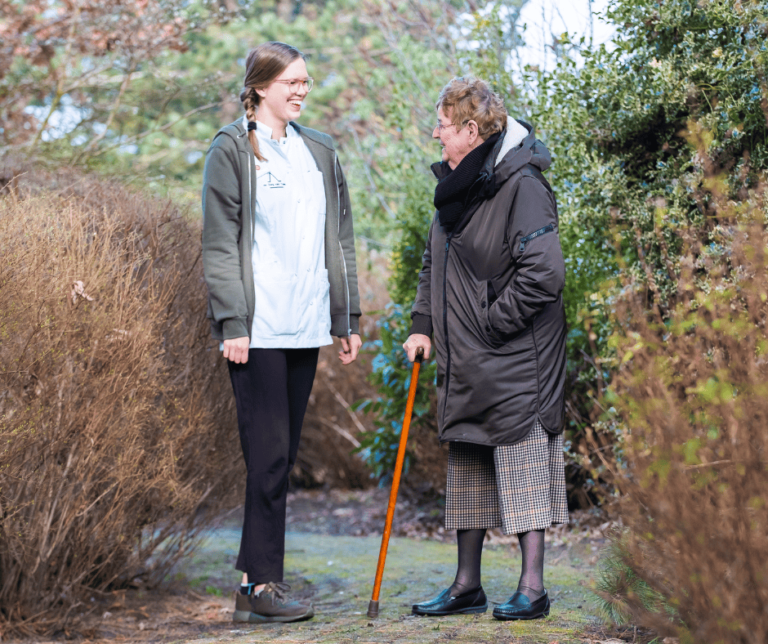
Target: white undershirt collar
point(265, 132)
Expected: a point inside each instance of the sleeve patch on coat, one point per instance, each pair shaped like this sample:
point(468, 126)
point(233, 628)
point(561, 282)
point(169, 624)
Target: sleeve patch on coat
point(541, 231)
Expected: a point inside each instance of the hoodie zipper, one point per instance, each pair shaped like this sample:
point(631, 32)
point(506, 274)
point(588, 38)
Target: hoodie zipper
point(338, 235)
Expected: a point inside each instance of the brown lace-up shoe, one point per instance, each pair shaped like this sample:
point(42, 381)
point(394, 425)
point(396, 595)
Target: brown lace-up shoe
point(271, 605)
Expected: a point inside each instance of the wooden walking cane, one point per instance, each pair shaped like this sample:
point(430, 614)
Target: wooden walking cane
point(373, 606)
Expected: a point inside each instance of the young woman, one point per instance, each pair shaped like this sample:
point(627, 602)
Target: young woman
point(279, 262)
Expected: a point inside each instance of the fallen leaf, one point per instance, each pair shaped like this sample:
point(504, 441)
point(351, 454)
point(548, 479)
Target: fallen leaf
point(78, 290)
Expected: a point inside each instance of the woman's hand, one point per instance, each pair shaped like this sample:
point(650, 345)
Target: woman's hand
point(349, 348)
point(416, 341)
point(236, 349)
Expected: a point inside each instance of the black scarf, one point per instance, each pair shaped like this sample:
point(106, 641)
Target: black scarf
point(452, 193)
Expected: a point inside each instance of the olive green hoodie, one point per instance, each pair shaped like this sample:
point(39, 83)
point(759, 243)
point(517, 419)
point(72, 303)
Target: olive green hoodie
point(229, 205)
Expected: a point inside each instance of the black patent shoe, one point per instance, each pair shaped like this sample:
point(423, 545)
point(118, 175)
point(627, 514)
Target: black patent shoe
point(520, 607)
point(472, 601)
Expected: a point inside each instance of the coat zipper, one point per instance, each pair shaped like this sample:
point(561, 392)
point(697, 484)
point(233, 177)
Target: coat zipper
point(252, 213)
point(445, 323)
point(338, 234)
point(547, 229)
point(445, 298)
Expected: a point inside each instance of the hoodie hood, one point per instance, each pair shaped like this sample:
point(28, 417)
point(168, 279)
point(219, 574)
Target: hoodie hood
point(515, 134)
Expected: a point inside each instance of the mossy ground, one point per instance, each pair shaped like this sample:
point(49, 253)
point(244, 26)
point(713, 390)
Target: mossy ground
point(337, 573)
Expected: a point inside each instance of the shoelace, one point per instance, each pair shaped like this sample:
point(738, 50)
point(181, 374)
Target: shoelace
point(278, 590)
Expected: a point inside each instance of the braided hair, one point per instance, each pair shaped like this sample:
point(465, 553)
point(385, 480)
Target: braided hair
point(263, 65)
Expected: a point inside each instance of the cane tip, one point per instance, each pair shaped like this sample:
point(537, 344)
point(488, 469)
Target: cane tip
point(373, 609)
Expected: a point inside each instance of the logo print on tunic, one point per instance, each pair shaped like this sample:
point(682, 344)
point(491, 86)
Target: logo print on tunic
point(272, 181)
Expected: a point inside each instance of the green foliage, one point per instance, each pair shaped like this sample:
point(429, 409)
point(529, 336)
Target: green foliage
point(400, 184)
point(624, 172)
point(213, 590)
point(627, 164)
point(392, 378)
point(405, 263)
point(617, 584)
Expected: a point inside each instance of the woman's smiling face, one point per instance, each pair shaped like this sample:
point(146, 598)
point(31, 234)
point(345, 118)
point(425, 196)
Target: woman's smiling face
point(281, 103)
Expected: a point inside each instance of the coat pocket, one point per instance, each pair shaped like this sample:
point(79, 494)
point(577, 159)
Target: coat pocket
point(485, 298)
point(538, 233)
point(315, 316)
point(503, 343)
point(278, 304)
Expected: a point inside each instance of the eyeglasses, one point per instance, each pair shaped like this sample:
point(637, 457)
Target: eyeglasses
point(440, 127)
point(293, 83)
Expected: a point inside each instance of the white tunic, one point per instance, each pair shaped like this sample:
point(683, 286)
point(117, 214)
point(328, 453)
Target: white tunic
point(293, 308)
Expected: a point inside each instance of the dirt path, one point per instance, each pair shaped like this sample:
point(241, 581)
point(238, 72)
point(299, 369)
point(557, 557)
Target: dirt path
point(331, 553)
point(336, 572)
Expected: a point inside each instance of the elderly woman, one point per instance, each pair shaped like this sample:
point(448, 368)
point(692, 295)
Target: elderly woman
point(491, 291)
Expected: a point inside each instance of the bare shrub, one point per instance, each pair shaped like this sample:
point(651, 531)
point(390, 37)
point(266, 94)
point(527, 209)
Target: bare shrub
point(330, 432)
point(331, 429)
point(693, 396)
point(112, 396)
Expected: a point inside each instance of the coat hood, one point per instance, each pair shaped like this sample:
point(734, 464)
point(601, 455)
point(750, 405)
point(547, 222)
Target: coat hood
point(518, 148)
point(512, 152)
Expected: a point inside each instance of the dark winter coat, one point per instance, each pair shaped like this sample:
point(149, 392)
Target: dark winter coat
point(492, 293)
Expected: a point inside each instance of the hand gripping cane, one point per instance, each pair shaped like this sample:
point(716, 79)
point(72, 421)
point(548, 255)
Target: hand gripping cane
point(373, 606)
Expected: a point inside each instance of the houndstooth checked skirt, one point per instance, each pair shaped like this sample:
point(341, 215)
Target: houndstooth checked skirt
point(518, 487)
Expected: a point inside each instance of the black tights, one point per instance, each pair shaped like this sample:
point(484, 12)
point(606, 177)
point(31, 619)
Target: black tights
point(470, 543)
point(531, 582)
point(470, 551)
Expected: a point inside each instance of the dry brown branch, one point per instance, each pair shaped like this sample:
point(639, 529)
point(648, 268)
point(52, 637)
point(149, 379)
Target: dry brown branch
point(339, 430)
point(693, 397)
point(117, 415)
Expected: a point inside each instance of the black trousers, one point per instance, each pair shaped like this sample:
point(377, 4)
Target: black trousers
point(271, 393)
